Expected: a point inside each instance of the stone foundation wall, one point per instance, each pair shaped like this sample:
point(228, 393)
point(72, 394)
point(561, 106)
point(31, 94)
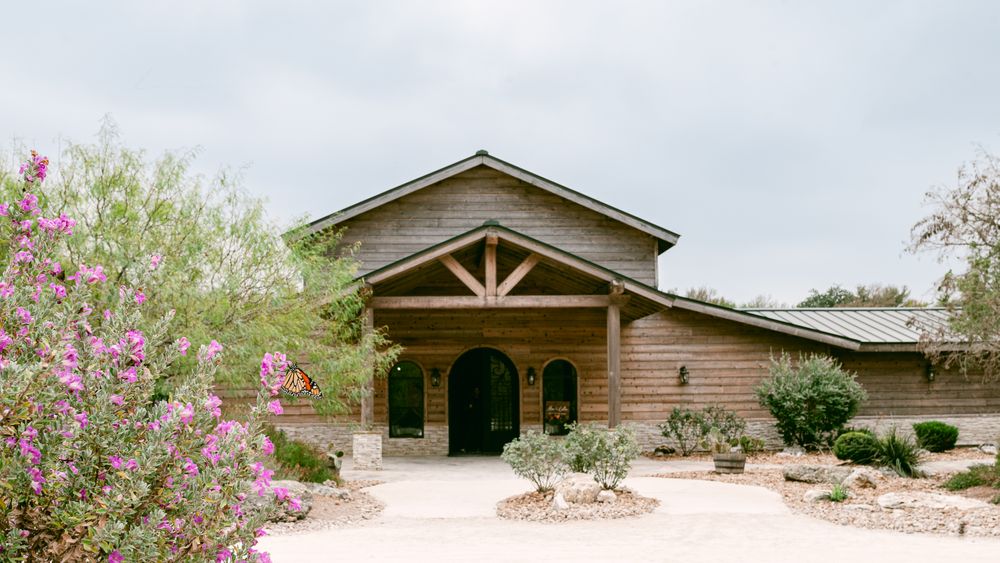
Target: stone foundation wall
point(366, 448)
point(973, 431)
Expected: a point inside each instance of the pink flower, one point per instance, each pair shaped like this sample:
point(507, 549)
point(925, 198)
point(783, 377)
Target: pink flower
point(81, 419)
point(115, 557)
point(59, 290)
point(128, 375)
point(212, 406)
point(24, 315)
point(117, 400)
point(295, 504)
point(275, 407)
point(36, 479)
point(190, 467)
point(23, 256)
point(187, 413)
point(268, 446)
point(213, 349)
point(115, 461)
point(280, 493)
point(107, 314)
point(140, 297)
point(154, 261)
point(29, 203)
point(131, 464)
point(182, 345)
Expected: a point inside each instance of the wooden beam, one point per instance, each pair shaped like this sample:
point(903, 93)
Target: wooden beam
point(491, 264)
point(518, 274)
point(368, 391)
point(507, 302)
point(614, 366)
point(462, 274)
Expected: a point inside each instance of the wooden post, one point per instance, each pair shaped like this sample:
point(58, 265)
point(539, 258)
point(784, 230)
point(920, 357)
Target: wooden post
point(491, 265)
point(614, 365)
point(368, 391)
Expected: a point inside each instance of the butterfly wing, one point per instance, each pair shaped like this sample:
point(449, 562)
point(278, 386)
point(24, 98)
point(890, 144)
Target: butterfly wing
point(298, 384)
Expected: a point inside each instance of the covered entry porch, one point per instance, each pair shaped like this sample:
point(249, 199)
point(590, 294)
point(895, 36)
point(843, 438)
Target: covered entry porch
point(501, 334)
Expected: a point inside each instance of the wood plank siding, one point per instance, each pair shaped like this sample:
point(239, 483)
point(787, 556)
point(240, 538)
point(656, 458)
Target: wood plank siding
point(463, 202)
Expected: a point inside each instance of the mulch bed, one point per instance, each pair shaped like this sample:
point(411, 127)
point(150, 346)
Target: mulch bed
point(328, 512)
point(861, 509)
point(537, 507)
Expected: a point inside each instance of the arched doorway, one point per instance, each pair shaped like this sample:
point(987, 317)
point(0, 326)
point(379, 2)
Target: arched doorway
point(483, 402)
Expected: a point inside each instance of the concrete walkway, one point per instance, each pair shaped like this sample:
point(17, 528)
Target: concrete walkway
point(442, 509)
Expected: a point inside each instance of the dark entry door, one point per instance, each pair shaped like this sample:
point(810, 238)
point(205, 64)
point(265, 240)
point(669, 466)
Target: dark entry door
point(482, 403)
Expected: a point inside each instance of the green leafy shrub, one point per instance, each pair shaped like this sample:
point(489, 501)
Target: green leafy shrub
point(686, 427)
point(750, 445)
point(91, 466)
point(613, 455)
point(899, 453)
point(935, 436)
point(582, 446)
point(537, 458)
point(297, 460)
point(857, 447)
point(838, 493)
point(729, 424)
point(810, 401)
point(975, 476)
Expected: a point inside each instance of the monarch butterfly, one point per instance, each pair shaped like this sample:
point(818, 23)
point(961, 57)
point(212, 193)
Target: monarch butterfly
point(298, 384)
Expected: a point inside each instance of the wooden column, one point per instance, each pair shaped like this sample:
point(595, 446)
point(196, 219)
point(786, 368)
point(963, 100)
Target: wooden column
point(368, 391)
point(614, 365)
point(491, 265)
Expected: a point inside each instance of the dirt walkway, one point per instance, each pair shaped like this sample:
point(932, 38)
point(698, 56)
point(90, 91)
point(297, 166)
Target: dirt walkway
point(441, 509)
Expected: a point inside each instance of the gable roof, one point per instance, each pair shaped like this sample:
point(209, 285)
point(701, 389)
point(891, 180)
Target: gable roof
point(664, 237)
point(867, 325)
point(637, 288)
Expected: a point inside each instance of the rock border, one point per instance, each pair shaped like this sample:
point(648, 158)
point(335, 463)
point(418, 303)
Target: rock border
point(539, 507)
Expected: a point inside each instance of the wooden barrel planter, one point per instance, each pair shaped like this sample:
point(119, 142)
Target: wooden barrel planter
point(729, 463)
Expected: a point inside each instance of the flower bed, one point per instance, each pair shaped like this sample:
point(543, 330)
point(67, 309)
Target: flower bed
point(538, 507)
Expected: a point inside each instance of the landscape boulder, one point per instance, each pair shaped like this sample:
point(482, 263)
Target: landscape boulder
point(862, 478)
point(606, 496)
point(559, 503)
point(916, 499)
point(816, 474)
point(328, 490)
point(578, 488)
point(816, 495)
point(990, 449)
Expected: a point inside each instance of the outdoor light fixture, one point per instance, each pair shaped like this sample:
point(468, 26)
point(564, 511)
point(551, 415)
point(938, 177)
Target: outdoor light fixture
point(435, 377)
point(683, 373)
point(930, 372)
point(531, 376)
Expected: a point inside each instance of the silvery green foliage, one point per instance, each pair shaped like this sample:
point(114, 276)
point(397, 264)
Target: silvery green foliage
point(811, 399)
point(613, 455)
point(582, 446)
point(537, 458)
point(686, 427)
point(92, 468)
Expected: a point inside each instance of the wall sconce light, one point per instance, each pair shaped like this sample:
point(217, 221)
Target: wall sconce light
point(531, 376)
point(930, 372)
point(435, 377)
point(683, 374)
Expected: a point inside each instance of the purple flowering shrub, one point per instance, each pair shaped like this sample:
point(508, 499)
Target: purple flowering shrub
point(91, 467)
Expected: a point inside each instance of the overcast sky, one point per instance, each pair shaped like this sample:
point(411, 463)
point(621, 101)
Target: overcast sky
point(789, 144)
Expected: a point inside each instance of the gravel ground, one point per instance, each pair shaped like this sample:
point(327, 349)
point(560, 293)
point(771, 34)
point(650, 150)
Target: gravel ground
point(328, 512)
point(861, 509)
point(537, 507)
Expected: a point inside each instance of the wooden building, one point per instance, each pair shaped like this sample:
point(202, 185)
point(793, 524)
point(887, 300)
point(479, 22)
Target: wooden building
point(521, 304)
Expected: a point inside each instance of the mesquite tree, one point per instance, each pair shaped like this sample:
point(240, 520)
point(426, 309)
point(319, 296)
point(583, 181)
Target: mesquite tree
point(965, 225)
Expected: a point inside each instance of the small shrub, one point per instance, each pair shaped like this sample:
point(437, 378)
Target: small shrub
point(297, 460)
point(716, 443)
point(899, 453)
point(838, 493)
point(613, 455)
point(686, 427)
point(935, 436)
point(859, 429)
point(811, 401)
point(581, 446)
point(537, 458)
point(729, 424)
point(975, 476)
point(857, 447)
point(750, 445)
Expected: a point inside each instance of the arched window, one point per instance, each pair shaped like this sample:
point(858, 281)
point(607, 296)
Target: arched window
point(558, 396)
point(406, 401)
